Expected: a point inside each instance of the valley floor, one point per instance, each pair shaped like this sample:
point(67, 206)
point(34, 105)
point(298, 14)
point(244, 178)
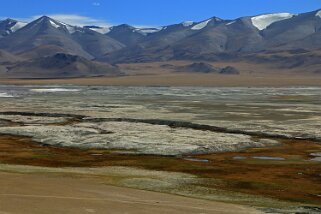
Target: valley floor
point(186, 79)
point(257, 147)
point(155, 74)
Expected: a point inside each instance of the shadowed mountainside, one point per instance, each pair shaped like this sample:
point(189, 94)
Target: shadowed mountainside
point(60, 66)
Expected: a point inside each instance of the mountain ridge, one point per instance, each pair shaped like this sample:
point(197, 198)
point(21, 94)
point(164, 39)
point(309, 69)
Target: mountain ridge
point(264, 38)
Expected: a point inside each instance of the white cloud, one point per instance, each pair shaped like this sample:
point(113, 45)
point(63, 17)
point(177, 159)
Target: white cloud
point(97, 4)
point(71, 19)
point(78, 20)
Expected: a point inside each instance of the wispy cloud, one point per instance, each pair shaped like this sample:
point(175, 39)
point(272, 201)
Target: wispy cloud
point(77, 20)
point(72, 19)
point(97, 4)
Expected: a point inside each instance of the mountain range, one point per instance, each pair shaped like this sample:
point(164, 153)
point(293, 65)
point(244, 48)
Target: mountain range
point(283, 39)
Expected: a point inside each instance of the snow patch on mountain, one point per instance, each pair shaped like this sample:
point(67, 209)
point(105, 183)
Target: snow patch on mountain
point(11, 25)
point(59, 24)
point(230, 23)
point(146, 31)
point(71, 29)
point(187, 23)
point(102, 30)
point(318, 13)
point(201, 25)
point(263, 21)
point(54, 24)
point(17, 26)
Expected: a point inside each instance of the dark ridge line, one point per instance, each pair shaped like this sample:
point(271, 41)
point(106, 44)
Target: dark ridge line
point(201, 127)
point(6, 121)
point(75, 116)
point(170, 123)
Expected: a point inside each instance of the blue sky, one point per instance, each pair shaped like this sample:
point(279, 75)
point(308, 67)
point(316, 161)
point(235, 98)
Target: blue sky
point(147, 12)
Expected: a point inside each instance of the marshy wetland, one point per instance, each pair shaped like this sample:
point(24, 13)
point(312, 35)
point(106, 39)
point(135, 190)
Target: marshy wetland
point(252, 146)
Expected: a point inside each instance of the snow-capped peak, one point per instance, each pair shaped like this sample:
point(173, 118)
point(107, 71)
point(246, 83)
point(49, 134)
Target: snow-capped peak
point(318, 13)
point(59, 25)
point(141, 30)
point(12, 25)
point(187, 23)
point(263, 21)
point(42, 19)
point(17, 26)
point(71, 29)
point(146, 31)
point(201, 25)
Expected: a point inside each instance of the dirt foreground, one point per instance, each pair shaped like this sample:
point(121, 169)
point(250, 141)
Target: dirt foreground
point(30, 193)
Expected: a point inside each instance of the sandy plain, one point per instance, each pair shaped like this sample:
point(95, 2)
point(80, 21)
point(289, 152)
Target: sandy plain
point(153, 74)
